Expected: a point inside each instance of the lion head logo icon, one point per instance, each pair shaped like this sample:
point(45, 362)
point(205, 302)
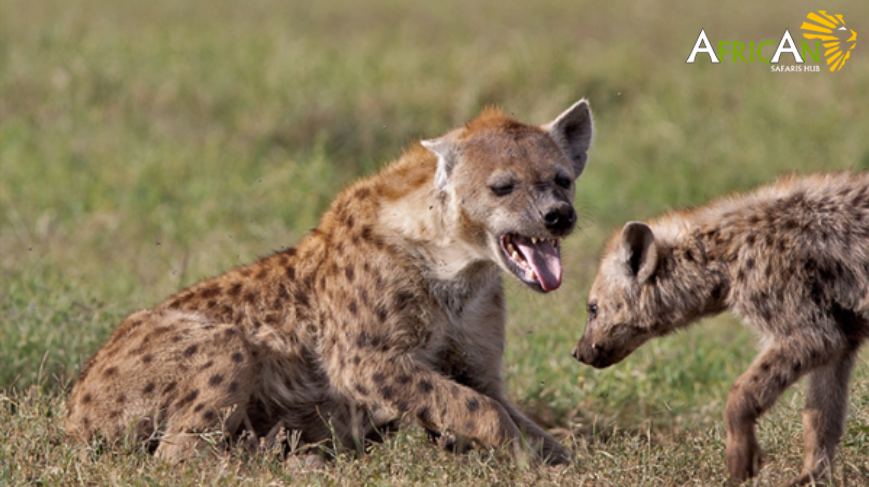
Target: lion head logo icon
point(831, 30)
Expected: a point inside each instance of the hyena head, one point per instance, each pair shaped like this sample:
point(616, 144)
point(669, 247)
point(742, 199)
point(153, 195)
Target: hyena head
point(511, 188)
point(619, 319)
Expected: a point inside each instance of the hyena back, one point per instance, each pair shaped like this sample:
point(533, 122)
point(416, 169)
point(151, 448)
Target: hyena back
point(391, 308)
point(791, 259)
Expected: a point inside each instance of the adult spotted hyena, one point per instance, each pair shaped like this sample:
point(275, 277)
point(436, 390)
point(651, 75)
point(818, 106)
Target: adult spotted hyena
point(392, 307)
point(791, 259)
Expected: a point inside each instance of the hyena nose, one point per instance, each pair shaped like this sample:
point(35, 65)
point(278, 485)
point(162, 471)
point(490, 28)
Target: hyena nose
point(559, 219)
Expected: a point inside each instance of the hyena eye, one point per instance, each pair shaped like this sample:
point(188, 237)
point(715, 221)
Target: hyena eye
point(562, 181)
point(502, 189)
point(592, 311)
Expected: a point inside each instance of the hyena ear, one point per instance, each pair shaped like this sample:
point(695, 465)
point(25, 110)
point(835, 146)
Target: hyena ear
point(572, 132)
point(639, 250)
point(446, 150)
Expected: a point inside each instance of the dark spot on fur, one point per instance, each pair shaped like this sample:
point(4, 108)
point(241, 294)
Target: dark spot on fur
point(750, 239)
point(353, 309)
point(689, 256)
point(386, 392)
point(472, 404)
point(749, 263)
point(87, 398)
point(301, 298)
point(199, 407)
point(402, 379)
point(208, 416)
point(261, 273)
point(210, 292)
point(362, 193)
point(149, 388)
point(382, 313)
point(238, 357)
point(121, 399)
point(188, 398)
point(147, 358)
point(425, 386)
point(110, 371)
point(378, 378)
point(780, 381)
point(765, 366)
point(207, 365)
point(470, 425)
point(424, 414)
point(356, 360)
point(232, 387)
point(169, 387)
point(215, 380)
point(189, 351)
point(349, 273)
point(402, 406)
point(252, 297)
point(361, 390)
point(235, 290)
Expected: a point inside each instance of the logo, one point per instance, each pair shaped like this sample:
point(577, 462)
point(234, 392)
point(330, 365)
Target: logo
point(830, 29)
point(818, 27)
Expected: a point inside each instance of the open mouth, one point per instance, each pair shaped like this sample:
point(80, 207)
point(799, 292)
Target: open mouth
point(536, 261)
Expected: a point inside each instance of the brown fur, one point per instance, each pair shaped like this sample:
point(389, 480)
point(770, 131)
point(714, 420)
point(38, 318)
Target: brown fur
point(791, 259)
point(392, 307)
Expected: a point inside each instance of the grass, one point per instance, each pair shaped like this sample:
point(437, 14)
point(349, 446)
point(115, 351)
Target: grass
point(147, 145)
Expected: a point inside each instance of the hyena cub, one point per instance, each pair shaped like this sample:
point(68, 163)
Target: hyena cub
point(391, 308)
point(791, 259)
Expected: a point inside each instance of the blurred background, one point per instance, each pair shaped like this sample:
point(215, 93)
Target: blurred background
point(145, 145)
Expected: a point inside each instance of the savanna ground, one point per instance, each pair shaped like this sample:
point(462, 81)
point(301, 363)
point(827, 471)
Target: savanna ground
point(147, 145)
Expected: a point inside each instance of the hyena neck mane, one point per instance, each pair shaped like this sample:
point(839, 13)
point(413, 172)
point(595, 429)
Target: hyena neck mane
point(690, 281)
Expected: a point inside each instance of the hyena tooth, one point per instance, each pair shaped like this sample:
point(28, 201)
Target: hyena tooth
point(534, 240)
point(533, 276)
point(515, 256)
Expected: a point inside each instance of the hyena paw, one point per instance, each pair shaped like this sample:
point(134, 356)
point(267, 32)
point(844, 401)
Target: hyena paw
point(743, 459)
point(811, 478)
point(453, 442)
point(558, 454)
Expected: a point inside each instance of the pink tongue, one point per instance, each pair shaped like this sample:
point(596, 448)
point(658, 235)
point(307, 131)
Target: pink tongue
point(544, 259)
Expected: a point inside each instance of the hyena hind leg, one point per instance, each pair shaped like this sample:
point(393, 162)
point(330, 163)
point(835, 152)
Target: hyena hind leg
point(824, 418)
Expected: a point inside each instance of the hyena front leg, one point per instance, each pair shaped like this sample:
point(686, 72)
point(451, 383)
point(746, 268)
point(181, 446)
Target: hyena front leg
point(824, 418)
point(547, 447)
point(441, 405)
point(754, 392)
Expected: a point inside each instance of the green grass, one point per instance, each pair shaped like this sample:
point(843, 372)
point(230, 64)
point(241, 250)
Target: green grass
point(147, 145)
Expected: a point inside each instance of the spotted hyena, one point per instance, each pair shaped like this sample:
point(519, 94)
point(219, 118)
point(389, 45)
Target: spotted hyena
point(391, 308)
point(791, 259)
